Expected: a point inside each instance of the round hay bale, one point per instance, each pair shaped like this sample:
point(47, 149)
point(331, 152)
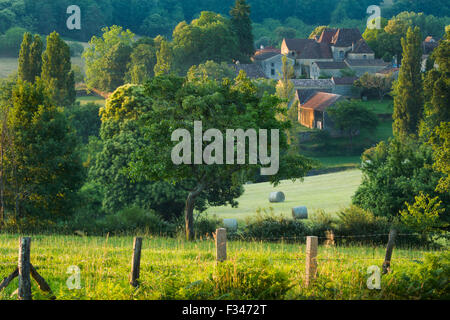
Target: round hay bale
point(230, 224)
point(300, 212)
point(277, 196)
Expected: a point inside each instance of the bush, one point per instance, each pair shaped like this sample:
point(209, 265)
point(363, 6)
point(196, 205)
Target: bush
point(430, 280)
point(267, 226)
point(11, 41)
point(135, 219)
point(205, 227)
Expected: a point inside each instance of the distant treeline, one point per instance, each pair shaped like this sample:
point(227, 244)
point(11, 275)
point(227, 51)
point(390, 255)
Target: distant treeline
point(154, 17)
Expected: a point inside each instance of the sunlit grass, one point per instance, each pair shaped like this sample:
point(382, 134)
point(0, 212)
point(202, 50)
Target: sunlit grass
point(168, 263)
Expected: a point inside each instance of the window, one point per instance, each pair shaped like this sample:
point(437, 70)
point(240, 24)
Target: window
point(364, 56)
point(341, 54)
point(272, 64)
point(272, 72)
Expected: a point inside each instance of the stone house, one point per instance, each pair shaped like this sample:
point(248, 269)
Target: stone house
point(327, 69)
point(271, 62)
point(333, 45)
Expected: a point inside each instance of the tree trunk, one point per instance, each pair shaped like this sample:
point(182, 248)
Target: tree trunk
point(189, 211)
point(189, 216)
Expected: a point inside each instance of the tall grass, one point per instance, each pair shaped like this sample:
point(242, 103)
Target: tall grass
point(172, 268)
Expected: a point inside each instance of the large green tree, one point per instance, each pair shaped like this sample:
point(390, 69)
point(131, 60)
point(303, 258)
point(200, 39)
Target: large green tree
point(242, 26)
point(210, 37)
point(142, 62)
point(178, 104)
point(351, 118)
point(120, 135)
point(107, 58)
point(57, 73)
point(43, 169)
point(408, 90)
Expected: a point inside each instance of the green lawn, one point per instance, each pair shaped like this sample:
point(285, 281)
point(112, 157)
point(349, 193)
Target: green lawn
point(7, 67)
point(91, 99)
point(328, 191)
point(379, 107)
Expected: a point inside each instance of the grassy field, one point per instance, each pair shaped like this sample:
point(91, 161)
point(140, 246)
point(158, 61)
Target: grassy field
point(91, 99)
point(7, 66)
point(379, 107)
point(175, 269)
point(328, 191)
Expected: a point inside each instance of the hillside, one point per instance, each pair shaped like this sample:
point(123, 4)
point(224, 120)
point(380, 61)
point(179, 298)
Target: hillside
point(329, 192)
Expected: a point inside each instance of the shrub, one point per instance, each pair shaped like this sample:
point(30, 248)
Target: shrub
point(267, 226)
point(205, 226)
point(135, 219)
point(429, 280)
point(354, 221)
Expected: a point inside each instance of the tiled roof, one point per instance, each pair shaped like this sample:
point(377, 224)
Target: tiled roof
point(303, 95)
point(297, 44)
point(310, 83)
point(265, 55)
point(327, 35)
point(320, 101)
point(253, 71)
point(361, 47)
point(344, 80)
point(366, 62)
point(314, 50)
point(332, 65)
point(346, 37)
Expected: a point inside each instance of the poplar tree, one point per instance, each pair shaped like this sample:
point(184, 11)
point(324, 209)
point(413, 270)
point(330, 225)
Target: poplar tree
point(30, 58)
point(24, 68)
point(56, 71)
point(408, 90)
point(242, 26)
point(164, 58)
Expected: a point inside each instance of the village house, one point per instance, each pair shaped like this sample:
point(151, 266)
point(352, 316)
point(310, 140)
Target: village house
point(312, 108)
point(253, 71)
point(343, 46)
point(270, 60)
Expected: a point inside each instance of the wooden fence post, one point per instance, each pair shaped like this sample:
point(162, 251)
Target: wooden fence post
point(311, 258)
point(136, 262)
point(221, 244)
point(24, 292)
point(389, 249)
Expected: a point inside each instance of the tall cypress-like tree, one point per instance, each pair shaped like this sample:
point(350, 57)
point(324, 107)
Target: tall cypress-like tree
point(242, 26)
point(24, 68)
point(36, 57)
point(56, 71)
point(30, 58)
point(437, 90)
point(164, 59)
point(408, 91)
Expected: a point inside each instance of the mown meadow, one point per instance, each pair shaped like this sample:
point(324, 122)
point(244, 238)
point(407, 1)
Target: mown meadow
point(172, 268)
